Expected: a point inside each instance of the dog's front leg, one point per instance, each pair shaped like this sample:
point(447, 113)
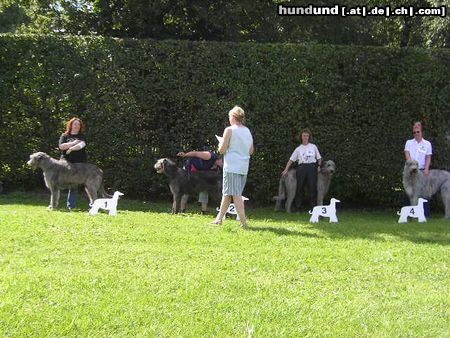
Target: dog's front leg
point(278, 203)
point(57, 198)
point(50, 206)
point(178, 202)
point(54, 198)
point(174, 204)
point(414, 199)
point(183, 203)
point(289, 202)
point(291, 190)
point(446, 200)
point(320, 198)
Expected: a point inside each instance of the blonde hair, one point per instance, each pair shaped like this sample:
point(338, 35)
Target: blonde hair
point(238, 113)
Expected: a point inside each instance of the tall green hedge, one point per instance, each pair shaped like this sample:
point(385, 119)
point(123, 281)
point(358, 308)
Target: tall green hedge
point(145, 99)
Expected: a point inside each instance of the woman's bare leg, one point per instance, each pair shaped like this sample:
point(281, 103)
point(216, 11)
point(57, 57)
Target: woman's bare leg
point(224, 204)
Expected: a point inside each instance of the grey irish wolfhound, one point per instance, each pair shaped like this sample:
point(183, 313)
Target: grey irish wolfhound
point(60, 174)
point(288, 185)
point(416, 184)
point(182, 184)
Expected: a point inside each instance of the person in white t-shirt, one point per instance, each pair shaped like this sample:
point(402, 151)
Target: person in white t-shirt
point(308, 157)
point(420, 150)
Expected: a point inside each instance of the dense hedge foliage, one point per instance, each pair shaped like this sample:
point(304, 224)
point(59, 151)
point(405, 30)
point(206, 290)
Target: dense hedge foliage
point(144, 99)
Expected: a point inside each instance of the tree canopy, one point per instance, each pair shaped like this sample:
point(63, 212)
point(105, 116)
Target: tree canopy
point(224, 20)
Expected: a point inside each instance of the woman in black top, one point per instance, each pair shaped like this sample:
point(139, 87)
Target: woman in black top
point(72, 144)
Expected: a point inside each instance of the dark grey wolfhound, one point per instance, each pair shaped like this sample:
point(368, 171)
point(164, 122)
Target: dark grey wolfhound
point(60, 174)
point(288, 186)
point(416, 184)
point(182, 184)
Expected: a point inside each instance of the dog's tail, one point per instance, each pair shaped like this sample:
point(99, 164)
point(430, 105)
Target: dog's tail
point(310, 212)
point(398, 213)
point(103, 192)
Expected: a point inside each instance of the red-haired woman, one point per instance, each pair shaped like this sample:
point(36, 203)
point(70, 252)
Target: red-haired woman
point(72, 144)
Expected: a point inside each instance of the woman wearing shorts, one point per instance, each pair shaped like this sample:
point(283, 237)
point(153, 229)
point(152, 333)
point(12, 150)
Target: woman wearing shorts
point(237, 146)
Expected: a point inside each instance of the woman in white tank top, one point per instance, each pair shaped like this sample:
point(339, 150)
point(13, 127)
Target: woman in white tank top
point(237, 146)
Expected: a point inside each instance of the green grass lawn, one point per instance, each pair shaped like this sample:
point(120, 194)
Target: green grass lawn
point(148, 273)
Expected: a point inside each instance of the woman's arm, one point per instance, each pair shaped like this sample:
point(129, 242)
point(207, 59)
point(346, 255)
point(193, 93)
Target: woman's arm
point(78, 146)
point(288, 166)
point(407, 155)
point(67, 145)
point(63, 145)
point(204, 155)
point(252, 150)
point(223, 147)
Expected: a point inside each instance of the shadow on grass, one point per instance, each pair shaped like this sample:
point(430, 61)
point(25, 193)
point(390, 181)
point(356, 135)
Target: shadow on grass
point(42, 199)
point(26, 198)
point(435, 231)
point(284, 232)
point(366, 225)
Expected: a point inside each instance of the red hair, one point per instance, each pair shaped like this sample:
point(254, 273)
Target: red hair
point(69, 125)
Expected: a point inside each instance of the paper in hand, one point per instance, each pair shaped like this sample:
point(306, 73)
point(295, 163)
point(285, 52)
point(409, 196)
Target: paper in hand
point(219, 138)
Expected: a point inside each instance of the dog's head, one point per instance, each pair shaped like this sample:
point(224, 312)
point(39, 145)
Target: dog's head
point(328, 167)
point(36, 159)
point(162, 163)
point(411, 167)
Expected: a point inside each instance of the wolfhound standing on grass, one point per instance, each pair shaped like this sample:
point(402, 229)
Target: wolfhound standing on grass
point(417, 185)
point(60, 174)
point(182, 184)
point(288, 186)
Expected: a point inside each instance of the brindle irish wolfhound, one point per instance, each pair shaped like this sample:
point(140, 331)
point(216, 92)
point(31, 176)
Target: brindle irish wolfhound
point(59, 174)
point(416, 184)
point(288, 185)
